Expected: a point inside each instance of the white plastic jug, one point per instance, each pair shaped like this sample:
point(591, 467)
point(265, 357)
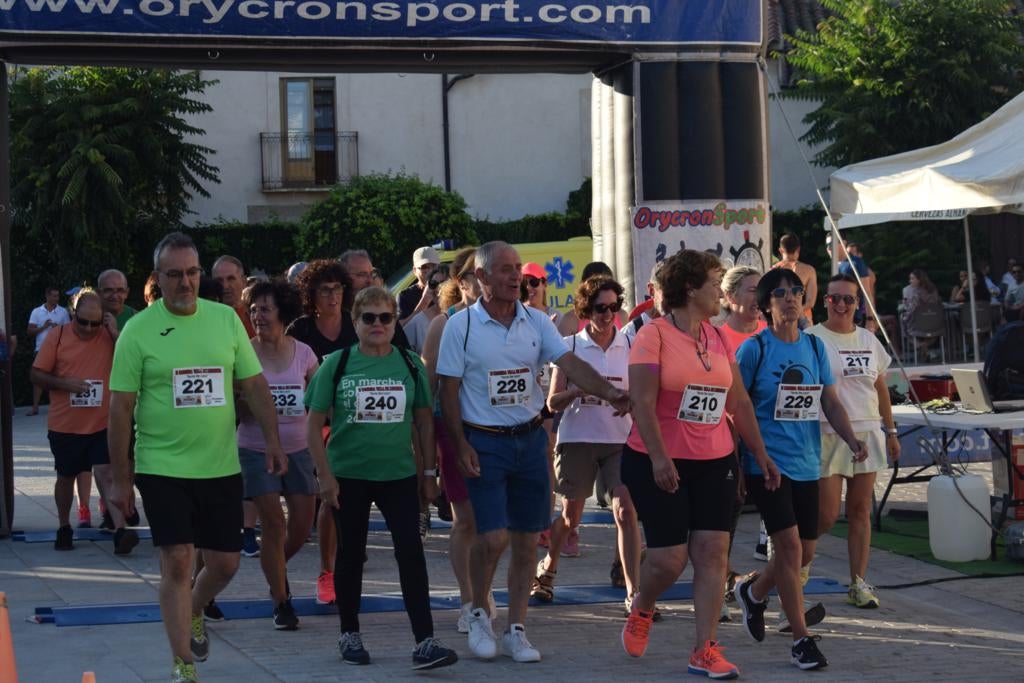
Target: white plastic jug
point(955, 531)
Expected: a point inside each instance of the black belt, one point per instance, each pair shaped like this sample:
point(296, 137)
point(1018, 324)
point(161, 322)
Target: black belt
point(516, 430)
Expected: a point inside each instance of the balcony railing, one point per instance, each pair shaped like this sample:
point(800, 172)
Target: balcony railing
point(308, 161)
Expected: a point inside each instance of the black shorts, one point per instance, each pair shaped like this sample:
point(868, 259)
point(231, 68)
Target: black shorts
point(794, 503)
point(206, 513)
point(77, 453)
point(703, 501)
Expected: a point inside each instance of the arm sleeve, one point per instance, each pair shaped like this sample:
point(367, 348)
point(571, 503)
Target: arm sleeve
point(451, 357)
point(552, 345)
point(247, 364)
point(320, 392)
point(422, 398)
point(746, 359)
point(646, 349)
point(126, 373)
point(46, 359)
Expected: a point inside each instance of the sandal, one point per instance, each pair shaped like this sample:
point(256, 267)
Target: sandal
point(543, 586)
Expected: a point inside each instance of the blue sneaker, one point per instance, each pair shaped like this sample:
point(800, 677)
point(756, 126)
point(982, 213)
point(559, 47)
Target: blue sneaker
point(250, 546)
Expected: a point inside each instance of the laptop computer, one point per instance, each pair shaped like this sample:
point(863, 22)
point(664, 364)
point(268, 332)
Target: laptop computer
point(970, 384)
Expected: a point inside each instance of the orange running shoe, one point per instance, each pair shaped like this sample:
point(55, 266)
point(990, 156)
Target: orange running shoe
point(709, 661)
point(636, 632)
point(325, 588)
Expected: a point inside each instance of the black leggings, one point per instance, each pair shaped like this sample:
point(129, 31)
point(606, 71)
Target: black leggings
point(399, 502)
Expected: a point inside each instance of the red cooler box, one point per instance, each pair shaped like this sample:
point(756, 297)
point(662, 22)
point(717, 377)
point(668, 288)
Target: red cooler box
point(929, 389)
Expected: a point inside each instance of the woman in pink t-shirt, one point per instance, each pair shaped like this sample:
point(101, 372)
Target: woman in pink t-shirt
point(678, 462)
point(288, 365)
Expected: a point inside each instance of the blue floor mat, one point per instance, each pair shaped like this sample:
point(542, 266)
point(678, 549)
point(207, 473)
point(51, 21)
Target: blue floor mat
point(95, 615)
point(91, 534)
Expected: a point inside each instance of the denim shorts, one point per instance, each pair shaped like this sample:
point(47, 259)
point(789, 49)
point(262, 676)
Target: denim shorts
point(298, 480)
point(513, 490)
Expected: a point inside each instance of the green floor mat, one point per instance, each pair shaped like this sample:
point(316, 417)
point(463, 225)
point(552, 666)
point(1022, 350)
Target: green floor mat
point(909, 537)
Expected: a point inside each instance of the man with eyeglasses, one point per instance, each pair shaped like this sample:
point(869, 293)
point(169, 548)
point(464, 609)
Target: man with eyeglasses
point(175, 368)
point(1013, 303)
point(113, 289)
point(74, 364)
point(360, 269)
point(230, 273)
point(418, 296)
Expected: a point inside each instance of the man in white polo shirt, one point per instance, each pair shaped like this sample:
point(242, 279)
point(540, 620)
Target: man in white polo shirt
point(488, 363)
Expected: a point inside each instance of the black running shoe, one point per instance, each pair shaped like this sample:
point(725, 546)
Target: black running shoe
point(350, 645)
point(108, 522)
point(753, 612)
point(125, 540)
point(432, 654)
point(133, 519)
point(285, 618)
point(805, 654)
point(65, 539)
point(813, 615)
point(212, 612)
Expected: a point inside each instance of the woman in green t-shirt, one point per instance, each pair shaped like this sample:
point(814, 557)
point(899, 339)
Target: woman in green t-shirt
point(377, 392)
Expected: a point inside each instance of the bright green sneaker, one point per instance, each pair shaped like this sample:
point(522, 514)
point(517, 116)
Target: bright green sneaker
point(183, 673)
point(862, 594)
point(199, 643)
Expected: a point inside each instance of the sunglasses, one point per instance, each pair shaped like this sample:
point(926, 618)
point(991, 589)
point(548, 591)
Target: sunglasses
point(534, 281)
point(847, 299)
point(781, 292)
point(604, 308)
point(371, 318)
point(88, 323)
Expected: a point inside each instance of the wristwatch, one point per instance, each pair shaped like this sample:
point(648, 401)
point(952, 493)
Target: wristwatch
point(432, 472)
point(891, 432)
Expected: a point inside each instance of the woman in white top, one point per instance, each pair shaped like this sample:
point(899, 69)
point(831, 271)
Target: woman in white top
point(858, 363)
point(590, 436)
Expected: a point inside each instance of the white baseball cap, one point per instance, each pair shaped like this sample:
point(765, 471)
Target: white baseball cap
point(425, 255)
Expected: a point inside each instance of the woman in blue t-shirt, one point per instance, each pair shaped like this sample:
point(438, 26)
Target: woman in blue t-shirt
point(789, 379)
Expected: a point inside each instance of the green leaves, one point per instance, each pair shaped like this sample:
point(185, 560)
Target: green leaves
point(897, 76)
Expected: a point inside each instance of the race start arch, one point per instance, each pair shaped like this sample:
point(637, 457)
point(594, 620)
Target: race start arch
point(678, 99)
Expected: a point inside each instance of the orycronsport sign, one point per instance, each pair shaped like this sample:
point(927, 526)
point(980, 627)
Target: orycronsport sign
point(636, 23)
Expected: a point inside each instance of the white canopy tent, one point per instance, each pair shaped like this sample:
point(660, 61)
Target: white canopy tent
point(979, 171)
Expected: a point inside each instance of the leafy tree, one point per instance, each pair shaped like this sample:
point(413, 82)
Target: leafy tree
point(101, 161)
point(894, 76)
point(388, 215)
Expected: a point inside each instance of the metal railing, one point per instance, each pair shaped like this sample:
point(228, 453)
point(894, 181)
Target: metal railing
point(308, 161)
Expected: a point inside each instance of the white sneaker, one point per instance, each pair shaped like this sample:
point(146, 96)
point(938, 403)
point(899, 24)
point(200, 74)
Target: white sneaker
point(515, 645)
point(482, 641)
point(465, 614)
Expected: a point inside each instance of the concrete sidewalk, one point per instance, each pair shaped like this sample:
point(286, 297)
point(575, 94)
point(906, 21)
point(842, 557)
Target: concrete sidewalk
point(954, 631)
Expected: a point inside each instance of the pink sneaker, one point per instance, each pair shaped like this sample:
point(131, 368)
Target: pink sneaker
point(571, 548)
point(544, 539)
point(84, 517)
point(325, 588)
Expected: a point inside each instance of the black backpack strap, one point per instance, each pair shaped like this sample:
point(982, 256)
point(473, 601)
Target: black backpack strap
point(817, 352)
point(638, 322)
point(757, 365)
point(409, 364)
point(340, 370)
point(469, 318)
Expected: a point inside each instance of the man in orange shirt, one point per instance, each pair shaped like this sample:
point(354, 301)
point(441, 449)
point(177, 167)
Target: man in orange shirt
point(74, 364)
point(229, 272)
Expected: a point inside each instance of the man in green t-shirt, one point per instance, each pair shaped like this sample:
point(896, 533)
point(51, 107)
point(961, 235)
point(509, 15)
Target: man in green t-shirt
point(175, 367)
point(113, 288)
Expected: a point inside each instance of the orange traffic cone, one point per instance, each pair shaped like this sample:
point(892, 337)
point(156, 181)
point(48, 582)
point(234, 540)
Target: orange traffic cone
point(8, 671)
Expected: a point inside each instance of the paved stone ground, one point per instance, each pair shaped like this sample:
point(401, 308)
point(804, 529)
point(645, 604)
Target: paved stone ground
point(954, 631)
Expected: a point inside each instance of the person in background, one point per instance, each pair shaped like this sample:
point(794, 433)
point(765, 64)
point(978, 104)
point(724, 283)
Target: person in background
point(151, 290)
point(1013, 304)
point(1008, 280)
point(416, 326)
point(959, 293)
point(789, 251)
point(920, 291)
point(376, 279)
point(571, 323)
point(859, 363)
point(230, 273)
point(43, 319)
point(418, 296)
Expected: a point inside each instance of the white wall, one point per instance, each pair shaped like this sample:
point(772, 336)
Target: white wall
point(518, 142)
point(791, 185)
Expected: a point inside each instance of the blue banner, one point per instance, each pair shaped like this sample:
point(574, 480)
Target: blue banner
point(635, 23)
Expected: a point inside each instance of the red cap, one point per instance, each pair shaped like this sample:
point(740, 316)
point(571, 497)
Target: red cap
point(534, 270)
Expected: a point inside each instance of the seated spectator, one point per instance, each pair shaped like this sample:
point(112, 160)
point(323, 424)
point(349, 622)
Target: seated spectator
point(1008, 282)
point(959, 293)
point(920, 291)
point(1014, 302)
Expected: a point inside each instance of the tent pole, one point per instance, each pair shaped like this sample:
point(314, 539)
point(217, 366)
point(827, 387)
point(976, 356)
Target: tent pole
point(970, 283)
